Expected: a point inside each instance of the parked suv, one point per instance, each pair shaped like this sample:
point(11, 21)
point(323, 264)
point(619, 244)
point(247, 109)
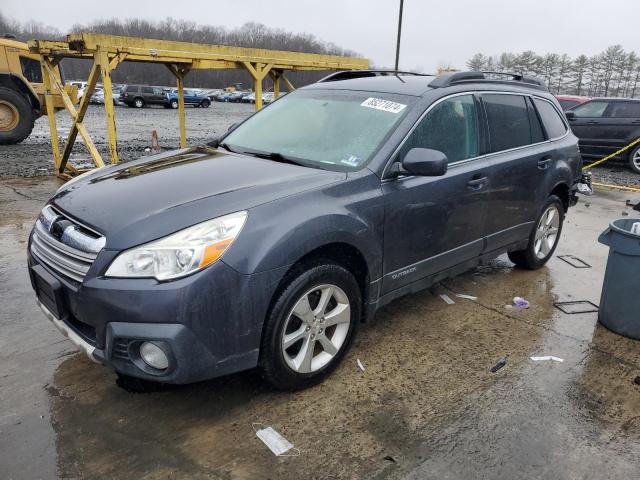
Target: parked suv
point(191, 97)
point(140, 96)
point(271, 245)
point(604, 125)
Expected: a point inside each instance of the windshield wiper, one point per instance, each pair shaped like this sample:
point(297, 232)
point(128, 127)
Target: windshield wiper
point(276, 156)
point(217, 144)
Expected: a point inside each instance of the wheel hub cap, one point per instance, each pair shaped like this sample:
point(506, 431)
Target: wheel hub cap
point(316, 328)
point(547, 232)
point(9, 116)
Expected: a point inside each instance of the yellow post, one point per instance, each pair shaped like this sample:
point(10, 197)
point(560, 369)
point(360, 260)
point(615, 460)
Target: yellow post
point(51, 115)
point(276, 84)
point(181, 114)
point(258, 72)
point(288, 84)
point(105, 70)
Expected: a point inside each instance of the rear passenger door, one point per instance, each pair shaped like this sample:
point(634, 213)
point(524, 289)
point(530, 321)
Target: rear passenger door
point(520, 161)
point(621, 123)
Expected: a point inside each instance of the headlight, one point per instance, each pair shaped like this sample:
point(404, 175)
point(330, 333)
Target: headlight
point(181, 253)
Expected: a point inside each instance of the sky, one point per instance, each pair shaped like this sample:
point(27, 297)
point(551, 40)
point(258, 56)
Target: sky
point(434, 33)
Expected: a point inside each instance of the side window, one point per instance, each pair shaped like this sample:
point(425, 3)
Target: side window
point(147, 90)
point(537, 134)
point(553, 123)
point(157, 91)
point(624, 110)
point(593, 109)
point(450, 127)
point(508, 121)
point(31, 69)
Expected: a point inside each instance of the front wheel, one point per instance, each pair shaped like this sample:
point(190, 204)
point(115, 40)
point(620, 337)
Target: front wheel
point(634, 159)
point(205, 104)
point(16, 116)
point(310, 327)
point(544, 238)
point(174, 104)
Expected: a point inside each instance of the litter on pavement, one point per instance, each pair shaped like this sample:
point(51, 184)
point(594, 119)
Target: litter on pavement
point(360, 365)
point(447, 299)
point(520, 302)
point(547, 358)
point(468, 297)
point(501, 363)
point(276, 442)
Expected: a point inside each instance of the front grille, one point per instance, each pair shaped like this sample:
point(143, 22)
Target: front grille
point(68, 248)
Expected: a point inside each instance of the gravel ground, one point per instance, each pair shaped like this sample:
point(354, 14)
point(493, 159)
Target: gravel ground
point(33, 156)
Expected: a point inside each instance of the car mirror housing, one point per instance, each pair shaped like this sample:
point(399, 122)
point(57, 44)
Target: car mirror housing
point(570, 115)
point(425, 162)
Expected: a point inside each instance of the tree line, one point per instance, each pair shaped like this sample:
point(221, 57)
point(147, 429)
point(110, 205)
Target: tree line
point(248, 35)
point(612, 73)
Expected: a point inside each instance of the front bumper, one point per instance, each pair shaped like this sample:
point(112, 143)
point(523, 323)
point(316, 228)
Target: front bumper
point(210, 322)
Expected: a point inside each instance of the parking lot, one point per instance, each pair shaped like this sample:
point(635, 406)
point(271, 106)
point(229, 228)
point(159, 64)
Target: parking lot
point(426, 405)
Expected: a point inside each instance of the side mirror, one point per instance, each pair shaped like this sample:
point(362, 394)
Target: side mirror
point(425, 162)
point(570, 115)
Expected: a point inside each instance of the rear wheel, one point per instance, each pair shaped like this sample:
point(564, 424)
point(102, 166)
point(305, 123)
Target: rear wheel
point(310, 327)
point(174, 104)
point(205, 104)
point(544, 238)
point(138, 103)
point(634, 159)
point(16, 117)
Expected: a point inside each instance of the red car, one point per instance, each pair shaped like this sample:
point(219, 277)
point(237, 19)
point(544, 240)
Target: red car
point(567, 102)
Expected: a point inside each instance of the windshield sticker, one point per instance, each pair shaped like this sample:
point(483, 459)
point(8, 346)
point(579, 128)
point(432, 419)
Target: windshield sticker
point(384, 105)
point(351, 160)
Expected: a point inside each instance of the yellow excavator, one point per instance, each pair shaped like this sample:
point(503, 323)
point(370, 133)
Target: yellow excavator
point(22, 91)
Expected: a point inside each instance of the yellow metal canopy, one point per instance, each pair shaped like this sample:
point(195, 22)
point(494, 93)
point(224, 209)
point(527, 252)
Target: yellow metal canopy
point(108, 51)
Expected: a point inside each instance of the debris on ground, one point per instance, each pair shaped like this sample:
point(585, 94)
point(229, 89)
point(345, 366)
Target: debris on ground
point(468, 297)
point(501, 363)
point(520, 302)
point(447, 299)
point(360, 365)
point(547, 358)
point(637, 380)
point(389, 458)
point(275, 442)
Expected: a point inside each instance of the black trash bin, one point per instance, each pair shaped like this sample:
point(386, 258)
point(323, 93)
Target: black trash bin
point(620, 300)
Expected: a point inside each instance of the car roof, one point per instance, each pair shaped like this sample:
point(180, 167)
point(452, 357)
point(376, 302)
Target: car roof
point(617, 99)
point(408, 83)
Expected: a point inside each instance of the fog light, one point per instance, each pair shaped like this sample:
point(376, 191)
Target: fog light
point(154, 356)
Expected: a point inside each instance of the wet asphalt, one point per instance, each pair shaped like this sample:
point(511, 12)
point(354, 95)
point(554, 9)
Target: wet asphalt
point(426, 406)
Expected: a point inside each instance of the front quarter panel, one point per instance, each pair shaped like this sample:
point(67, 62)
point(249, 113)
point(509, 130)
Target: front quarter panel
point(281, 232)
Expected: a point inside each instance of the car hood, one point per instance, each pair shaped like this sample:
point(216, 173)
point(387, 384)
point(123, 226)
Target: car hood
point(140, 201)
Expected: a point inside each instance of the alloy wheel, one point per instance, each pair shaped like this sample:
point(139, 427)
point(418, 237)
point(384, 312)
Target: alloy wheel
point(547, 232)
point(636, 159)
point(316, 328)
point(9, 116)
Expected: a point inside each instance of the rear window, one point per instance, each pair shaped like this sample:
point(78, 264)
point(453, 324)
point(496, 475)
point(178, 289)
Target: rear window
point(537, 134)
point(31, 69)
point(624, 110)
point(553, 123)
point(508, 121)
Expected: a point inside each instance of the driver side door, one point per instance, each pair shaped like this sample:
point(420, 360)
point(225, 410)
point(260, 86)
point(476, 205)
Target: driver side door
point(434, 223)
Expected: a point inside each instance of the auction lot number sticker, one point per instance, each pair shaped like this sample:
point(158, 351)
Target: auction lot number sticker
point(384, 105)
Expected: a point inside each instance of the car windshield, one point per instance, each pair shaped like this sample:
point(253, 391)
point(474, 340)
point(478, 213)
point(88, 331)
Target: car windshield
point(330, 129)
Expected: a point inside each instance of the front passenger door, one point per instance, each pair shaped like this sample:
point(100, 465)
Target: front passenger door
point(434, 223)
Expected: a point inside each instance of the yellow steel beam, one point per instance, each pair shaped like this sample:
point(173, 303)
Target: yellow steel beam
point(286, 81)
point(47, 75)
point(180, 71)
point(105, 71)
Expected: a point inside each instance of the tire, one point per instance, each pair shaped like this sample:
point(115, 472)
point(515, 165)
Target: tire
point(16, 117)
point(287, 368)
point(544, 237)
point(138, 103)
point(634, 159)
point(173, 104)
point(205, 104)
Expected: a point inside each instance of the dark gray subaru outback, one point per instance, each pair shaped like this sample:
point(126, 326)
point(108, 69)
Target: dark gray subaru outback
point(271, 245)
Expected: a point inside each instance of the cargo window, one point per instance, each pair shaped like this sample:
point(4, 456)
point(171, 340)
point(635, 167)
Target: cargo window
point(508, 121)
point(450, 127)
point(31, 69)
point(553, 123)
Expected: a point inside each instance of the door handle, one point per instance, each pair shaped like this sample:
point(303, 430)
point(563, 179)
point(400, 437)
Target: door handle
point(477, 183)
point(592, 122)
point(636, 122)
point(544, 162)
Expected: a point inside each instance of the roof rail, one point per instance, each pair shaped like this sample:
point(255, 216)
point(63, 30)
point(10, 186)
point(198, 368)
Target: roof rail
point(454, 78)
point(350, 74)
